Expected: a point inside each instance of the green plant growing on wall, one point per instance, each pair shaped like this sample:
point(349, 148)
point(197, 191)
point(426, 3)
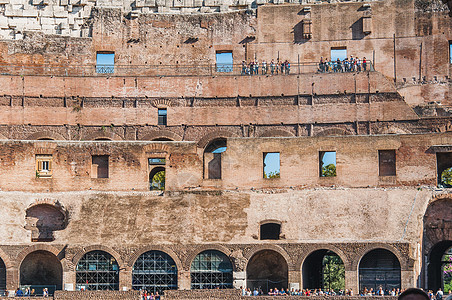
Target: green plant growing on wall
point(333, 272)
point(272, 175)
point(329, 170)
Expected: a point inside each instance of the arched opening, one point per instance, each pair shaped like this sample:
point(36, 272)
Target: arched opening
point(437, 243)
point(440, 267)
point(97, 270)
point(2, 277)
point(41, 269)
point(444, 165)
point(157, 179)
point(46, 139)
point(211, 269)
point(270, 231)
point(162, 139)
point(43, 220)
point(323, 269)
point(154, 271)
point(212, 158)
point(379, 268)
point(267, 269)
point(102, 139)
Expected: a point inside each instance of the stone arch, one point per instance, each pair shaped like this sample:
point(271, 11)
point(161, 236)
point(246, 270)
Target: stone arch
point(109, 250)
point(267, 269)
point(217, 134)
point(339, 252)
point(41, 267)
point(6, 259)
point(312, 266)
point(333, 132)
point(276, 133)
point(45, 135)
point(248, 254)
point(102, 135)
point(359, 256)
point(194, 253)
point(131, 261)
point(40, 247)
point(159, 134)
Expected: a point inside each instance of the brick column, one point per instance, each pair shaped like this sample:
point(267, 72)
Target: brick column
point(351, 281)
point(408, 279)
point(294, 280)
point(69, 280)
point(12, 279)
point(239, 279)
point(184, 280)
point(125, 279)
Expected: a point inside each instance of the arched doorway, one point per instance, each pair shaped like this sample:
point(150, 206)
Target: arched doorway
point(211, 269)
point(323, 269)
point(97, 270)
point(41, 269)
point(212, 158)
point(154, 271)
point(157, 179)
point(379, 268)
point(267, 269)
point(437, 243)
point(2, 276)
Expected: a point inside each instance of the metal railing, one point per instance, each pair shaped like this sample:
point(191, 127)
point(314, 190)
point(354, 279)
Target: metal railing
point(174, 70)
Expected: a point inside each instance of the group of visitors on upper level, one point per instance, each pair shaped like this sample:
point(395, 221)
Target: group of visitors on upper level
point(278, 67)
point(145, 295)
point(352, 64)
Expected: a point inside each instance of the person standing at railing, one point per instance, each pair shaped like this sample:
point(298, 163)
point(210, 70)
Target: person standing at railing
point(243, 67)
point(287, 63)
point(272, 66)
point(264, 67)
point(321, 65)
point(256, 67)
point(364, 64)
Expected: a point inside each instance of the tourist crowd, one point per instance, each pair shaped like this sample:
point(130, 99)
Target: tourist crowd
point(145, 295)
point(278, 67)
point(352, 64)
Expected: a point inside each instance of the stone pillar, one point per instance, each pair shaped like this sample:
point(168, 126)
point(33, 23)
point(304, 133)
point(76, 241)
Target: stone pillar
point(239, 279)
point(12, 280)
point(294, 280)
point(184, 280)
point(69, 280)
point(125, 279)
point(351, 281)
point(408, 279)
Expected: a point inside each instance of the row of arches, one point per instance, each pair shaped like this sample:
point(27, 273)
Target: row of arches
point(157, 271)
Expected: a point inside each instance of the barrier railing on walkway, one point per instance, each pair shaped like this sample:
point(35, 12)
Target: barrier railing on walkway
point(177, 70)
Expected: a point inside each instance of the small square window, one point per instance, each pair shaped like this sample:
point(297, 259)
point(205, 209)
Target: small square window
point(224, 61)
point(99, 167)
point(444, 166)
point(450, 52)
point(105, 62)
point(162, 116)
point(271, 165)
point(387, 162)
point(327, 163)
point(43, 166)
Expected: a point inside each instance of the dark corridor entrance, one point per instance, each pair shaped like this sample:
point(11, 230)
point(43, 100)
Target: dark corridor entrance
point(267, 269)
point(323, 269)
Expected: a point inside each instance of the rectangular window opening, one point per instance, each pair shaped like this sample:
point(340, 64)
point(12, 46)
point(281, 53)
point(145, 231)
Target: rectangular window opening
point(157, 161)
point(99, 166)
point(387, 162)
point(224, 61)
point(444, 165)
point(450, 52)
point(105, 62)
point(43, 166)
point(338, 52)
point(272, 165)
point(327, 163)
point(162, 116)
